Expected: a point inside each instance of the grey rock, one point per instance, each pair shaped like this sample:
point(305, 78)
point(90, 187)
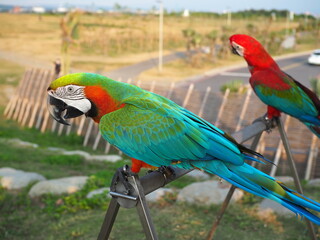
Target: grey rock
point(197, 174)
point(289, 42)
point(87, 156)
point(285, 179)
point(105, 190)
point(314, 182)
point(208, 192)
point(58, 186)
point(19, 143)
point(11, 178)
point(158, 194)
point(275, 207)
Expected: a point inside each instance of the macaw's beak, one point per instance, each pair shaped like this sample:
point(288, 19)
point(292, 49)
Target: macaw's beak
point(234, 50)
point(60, 111)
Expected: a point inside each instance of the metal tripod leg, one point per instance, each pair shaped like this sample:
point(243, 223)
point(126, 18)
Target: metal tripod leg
point(144, 212)
point(109, 219)
point(226, 201)
point(294, 171)
point(129, 201)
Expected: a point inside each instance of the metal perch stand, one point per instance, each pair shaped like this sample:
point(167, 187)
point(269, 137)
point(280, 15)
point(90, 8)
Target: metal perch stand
point(139, 188)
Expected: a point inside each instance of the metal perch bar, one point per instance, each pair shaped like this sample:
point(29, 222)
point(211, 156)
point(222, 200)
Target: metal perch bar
point(156, 180)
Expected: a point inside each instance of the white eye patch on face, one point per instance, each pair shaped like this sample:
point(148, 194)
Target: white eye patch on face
point(72, 92)
point(239, 49)
point(72, 95)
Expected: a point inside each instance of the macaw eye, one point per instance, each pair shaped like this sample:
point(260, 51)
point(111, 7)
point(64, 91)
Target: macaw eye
point(70, 89)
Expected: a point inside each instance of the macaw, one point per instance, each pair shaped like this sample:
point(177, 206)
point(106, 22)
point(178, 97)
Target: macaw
point(274, 87)
point(154, 129)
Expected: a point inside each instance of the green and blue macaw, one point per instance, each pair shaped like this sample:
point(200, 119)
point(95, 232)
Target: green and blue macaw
point(151, 128)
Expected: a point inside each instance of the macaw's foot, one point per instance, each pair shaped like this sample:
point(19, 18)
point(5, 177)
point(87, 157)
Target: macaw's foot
point(270, 117)
point(167, 171)
point(273, 112)
point(270, 123)
point(121, 177)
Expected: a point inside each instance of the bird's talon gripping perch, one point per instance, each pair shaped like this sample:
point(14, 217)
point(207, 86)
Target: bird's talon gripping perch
point(270, 123)
point(167, 172)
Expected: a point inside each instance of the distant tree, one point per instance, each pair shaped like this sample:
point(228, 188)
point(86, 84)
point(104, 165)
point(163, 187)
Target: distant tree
point(252, 29)
point(196, 42)
point(188, 34)
point(70, 33)
point(212, 37)
point(117, 7)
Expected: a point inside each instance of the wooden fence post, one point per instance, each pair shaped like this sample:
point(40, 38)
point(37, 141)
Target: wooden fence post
point(244, 109)
point(223, 104)
point(22, 94)
point(27, 94)
point(313, 152)
point(186, 99)
point(9, 110)
point(204, 101)
point(38, 98)
point(279, 150)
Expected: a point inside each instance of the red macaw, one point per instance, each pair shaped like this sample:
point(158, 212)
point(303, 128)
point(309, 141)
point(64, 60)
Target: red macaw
point(274, 87)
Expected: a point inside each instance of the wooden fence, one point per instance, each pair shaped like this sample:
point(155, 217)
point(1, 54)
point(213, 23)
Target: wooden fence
point(229, 112)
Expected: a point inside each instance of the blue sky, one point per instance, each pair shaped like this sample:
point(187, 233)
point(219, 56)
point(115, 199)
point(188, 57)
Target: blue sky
point(298, 6)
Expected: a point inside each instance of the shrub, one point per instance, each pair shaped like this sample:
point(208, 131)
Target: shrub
point(233, 86)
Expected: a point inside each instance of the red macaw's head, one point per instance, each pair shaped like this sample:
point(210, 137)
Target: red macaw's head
point(80, 93)
point(252, 51)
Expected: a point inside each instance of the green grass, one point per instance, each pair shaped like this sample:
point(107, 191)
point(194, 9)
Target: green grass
point(233, 86)
point(33, 220)
point(75, 217)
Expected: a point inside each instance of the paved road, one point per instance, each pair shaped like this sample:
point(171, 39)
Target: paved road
point(135, 69)
point(296, 66)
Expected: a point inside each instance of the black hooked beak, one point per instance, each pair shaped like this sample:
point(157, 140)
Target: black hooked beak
point(57, 108)
point(234, 51)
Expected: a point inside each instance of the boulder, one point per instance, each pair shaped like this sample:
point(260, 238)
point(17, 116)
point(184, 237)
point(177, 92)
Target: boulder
point(314, 182)
point(197, 174)
point(99, 191)
point(207, 193)
point(19, 143)
point(158, 194)
point(87, 156)
point(11, 178)
point(285, 179)
point(58, 186)
point(269, 205)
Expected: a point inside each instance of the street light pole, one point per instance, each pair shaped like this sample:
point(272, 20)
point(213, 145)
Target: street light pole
point(160, 36)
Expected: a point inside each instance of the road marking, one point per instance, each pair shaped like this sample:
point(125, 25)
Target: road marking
point(293, 65)
point(236, 74)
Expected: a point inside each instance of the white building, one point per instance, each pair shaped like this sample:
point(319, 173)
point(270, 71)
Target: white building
point(38, 10)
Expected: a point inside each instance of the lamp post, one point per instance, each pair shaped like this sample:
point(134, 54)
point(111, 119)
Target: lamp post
point(160, 36)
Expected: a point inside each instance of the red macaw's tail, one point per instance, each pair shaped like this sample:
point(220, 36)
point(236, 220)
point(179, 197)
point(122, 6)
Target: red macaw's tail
point(256, 182)
point(137, 165)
